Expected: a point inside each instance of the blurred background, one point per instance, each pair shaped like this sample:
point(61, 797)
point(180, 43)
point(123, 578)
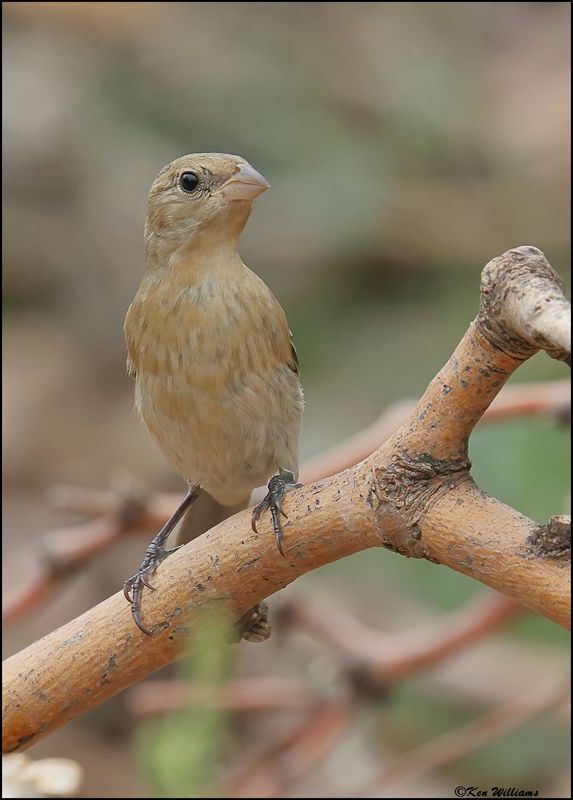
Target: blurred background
point(407, 144)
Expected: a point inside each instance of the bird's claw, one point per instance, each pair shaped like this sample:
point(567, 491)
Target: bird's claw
point(254, 626)
point(132, 590)
point(133, 587)
point(145, 583)
point(277, 488)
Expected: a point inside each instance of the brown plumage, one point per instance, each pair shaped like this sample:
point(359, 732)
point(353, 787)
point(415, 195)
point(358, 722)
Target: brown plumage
point(209, 346)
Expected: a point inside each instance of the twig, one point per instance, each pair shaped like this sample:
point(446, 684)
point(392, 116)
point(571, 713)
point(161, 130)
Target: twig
point(239, 694)
point(414, 495)
point(521, 400)
point(153, 509)
point(64, 552)
point(271, 770)
point(73, 547)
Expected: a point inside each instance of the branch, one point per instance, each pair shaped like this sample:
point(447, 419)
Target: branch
point(375, 659)
point(414, 495)
point(526, 399)
point(270, 771)
point(238, 694)
point(523, 306)
point(65, 552)
point(61, 554)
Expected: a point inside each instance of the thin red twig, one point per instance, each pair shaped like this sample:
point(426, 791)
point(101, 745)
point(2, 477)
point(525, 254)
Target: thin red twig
point(272, 769)
point(518, 400)
point(239, 694)
point(385, 657)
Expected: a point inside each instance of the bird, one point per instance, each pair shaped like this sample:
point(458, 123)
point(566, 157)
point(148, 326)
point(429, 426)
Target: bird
point(216, 372)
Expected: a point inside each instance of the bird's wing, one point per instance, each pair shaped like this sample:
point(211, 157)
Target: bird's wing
point(293, 362)
point(283, 344)
point(128, 330)
point(275, 321)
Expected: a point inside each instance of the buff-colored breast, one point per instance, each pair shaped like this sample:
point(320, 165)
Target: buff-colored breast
point(216, 379)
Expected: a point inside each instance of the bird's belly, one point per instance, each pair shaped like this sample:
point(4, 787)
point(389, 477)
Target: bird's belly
point(225, 431)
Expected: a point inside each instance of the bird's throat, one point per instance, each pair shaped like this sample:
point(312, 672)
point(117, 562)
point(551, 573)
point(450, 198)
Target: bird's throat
point(207, 248)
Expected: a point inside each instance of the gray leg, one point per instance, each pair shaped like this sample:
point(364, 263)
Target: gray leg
point(154, 555)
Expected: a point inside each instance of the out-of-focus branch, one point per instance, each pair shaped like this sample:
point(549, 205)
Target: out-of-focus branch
point(62, 553)
point(414, 496)
point(526, 399)
point(375, 658)
point(368, 661)
point(239, 694)
point(546, 697)
point(271, 770)
point(368, 658)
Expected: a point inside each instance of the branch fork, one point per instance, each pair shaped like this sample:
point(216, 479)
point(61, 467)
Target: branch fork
point(413, 495)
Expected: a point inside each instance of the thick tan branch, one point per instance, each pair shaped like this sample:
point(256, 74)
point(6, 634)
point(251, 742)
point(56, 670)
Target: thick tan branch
point(413, 495)
point(96, 655)
point(524, 399)
point(66, 551)
point(495, 548)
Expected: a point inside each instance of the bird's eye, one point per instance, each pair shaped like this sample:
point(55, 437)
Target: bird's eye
point(188, 181)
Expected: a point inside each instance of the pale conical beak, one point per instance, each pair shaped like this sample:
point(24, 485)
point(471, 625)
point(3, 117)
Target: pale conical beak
point(246, 184)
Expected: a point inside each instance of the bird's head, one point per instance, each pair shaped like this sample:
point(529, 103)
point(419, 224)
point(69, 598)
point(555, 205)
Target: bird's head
point(202, 195)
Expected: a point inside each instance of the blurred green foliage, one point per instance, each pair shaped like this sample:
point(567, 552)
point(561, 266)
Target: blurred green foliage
point(520, 758)
point(180, 751)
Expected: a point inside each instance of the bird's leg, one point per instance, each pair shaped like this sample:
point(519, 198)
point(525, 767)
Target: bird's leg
point(277, 486)
point(154, 555)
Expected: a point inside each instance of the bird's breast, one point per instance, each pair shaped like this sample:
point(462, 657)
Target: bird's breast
point(198, 339)
point(215, 384)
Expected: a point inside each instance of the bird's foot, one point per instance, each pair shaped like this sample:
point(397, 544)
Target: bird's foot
point(278, 487)
point(133, 588)
point(154, 555)
point(254, 626)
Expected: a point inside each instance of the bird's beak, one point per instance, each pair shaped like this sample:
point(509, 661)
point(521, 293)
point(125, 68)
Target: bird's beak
point(246, 184)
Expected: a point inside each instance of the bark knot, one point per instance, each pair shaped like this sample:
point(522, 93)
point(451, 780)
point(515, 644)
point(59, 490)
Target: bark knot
point(552, 540)
point(410, 482)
